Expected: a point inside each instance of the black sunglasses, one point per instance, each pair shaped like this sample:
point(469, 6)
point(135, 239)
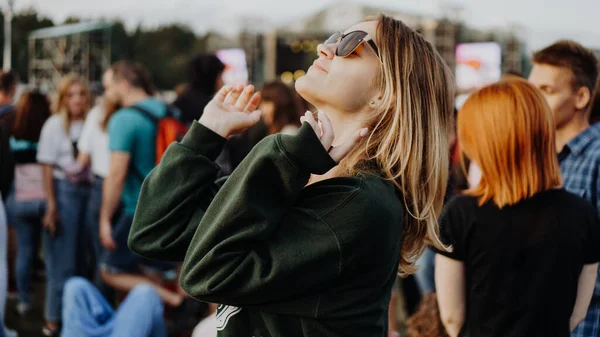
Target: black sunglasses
point(347, 43)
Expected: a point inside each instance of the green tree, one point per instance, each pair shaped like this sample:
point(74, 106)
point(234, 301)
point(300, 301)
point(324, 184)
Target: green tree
point(23, 23)
point(121, 43)
point(71, 20)
point(165, 51)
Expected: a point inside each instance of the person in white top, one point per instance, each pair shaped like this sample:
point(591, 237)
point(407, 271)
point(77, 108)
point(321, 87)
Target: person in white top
point(93, 143)
point(94, 152)
point(64, 235)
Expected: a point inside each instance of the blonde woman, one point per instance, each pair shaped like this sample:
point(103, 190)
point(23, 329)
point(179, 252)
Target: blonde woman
point(64, 232)
point(306, 237)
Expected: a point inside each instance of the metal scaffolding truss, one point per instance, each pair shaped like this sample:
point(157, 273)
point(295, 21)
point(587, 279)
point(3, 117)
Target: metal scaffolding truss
point(82, 48)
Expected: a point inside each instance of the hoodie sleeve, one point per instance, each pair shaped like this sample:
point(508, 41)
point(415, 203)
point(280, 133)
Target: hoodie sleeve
point(175, 196)
point(257, 244)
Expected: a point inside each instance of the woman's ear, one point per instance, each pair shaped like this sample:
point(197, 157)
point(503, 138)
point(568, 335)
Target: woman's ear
point(375, 102)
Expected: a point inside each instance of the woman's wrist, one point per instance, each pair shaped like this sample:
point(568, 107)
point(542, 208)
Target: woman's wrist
point(215, 126)
point(203, 140)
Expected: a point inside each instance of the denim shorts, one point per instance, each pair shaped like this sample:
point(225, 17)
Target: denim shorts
point(123, 261)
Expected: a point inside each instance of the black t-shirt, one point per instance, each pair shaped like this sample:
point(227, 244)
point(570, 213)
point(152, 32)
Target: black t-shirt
point(7, 164)
point(522, 262)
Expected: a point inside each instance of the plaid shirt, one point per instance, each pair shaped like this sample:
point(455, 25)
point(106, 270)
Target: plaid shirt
point(580, 166)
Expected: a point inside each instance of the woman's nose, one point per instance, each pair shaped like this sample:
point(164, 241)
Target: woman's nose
point(326, 50)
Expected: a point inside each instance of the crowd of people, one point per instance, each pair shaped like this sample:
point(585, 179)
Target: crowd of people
point(71, 177)
point(265, 219)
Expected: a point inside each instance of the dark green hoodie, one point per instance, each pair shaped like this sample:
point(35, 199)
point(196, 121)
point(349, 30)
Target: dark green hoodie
point(284, 259)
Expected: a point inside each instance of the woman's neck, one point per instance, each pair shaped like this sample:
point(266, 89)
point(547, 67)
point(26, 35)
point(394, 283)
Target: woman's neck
point(135, 97)
point(344, 124)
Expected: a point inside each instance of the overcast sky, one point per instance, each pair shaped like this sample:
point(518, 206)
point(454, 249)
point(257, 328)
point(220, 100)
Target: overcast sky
point(542, 21)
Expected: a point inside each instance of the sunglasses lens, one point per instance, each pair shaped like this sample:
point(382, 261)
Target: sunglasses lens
point(333, 38)
point(349, 43)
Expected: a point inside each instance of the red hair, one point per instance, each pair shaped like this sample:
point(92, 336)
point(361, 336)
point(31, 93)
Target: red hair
point(507, 128)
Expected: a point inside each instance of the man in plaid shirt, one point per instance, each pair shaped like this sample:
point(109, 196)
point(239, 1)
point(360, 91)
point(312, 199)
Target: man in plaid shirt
point(567, 75)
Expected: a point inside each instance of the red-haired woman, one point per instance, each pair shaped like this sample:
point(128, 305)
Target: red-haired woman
point(525, 251)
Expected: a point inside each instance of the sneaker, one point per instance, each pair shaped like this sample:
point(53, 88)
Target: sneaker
point(23, 308)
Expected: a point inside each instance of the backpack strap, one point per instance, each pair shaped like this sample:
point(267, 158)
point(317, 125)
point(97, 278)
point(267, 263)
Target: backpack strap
point(146, 113)
point(170, 111)
point(174, 112)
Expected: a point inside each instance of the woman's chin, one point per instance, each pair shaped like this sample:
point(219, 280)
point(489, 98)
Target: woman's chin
point(305, 87)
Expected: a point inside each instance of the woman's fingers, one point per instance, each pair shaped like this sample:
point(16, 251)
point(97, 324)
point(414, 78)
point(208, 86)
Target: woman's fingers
point(244, 98)
point(234, 95)
point(308, 117)
point(240, 122)
point(325, 132)
point(327, 129)
point(340, 152)
point(253, 103)
point(222, 94)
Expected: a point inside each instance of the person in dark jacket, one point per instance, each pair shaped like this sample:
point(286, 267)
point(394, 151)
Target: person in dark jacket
point(306, 237)
point(8, 242)
point(8, 86)
point(204, 80)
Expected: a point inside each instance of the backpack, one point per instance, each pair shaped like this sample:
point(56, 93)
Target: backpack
point(169, 129)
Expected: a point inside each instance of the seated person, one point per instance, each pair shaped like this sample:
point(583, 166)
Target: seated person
point(123, 270)
point(87, 313)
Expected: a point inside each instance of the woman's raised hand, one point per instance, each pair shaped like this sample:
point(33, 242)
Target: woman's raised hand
point(232, 110)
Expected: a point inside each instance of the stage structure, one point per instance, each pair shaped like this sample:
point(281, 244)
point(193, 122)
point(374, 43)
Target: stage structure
point(82, 48)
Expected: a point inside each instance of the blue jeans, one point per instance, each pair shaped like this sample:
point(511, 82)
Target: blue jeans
point(124, 261)
point(92, 218)
point(93, 229)
point(65, 254)
point(26, 217)
point(87, 313)
point(425, 276)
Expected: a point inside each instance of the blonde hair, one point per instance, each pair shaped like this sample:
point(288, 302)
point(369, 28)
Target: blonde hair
point(408, 141)
point(507, 128)
point(60, 105)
